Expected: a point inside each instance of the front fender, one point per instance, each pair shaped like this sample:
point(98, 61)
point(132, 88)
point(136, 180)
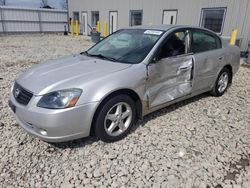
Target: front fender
point(133, 78)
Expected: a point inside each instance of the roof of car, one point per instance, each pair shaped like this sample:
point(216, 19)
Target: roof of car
point(167, 27)
point(155, 27)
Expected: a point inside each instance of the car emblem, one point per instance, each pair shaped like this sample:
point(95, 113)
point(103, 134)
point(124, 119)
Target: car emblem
point(16, 93)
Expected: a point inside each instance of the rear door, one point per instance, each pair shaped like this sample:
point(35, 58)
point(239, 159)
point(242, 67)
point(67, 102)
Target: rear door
point(209, 57)
point(171, 75)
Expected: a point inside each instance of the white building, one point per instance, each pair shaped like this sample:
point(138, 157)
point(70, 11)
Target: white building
point(220, 16)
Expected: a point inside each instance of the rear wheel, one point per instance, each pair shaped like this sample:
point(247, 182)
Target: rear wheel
point(115, 118)
point(222, 83)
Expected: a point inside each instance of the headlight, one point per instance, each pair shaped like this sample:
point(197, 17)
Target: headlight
point(60, 99)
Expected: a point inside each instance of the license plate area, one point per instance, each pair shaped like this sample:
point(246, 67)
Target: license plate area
point(12, 106)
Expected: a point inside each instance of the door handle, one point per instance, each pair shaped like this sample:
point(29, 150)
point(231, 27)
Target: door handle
point(184, 68)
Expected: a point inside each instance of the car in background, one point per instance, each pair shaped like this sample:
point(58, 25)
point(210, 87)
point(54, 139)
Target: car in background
point(129, 74)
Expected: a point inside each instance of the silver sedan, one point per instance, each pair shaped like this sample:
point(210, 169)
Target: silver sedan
point(131, 73)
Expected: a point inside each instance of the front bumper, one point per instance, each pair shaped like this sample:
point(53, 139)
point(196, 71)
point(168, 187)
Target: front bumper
point(54, 125)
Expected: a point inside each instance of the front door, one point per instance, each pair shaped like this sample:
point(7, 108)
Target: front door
point(113, 20)
point(169, 17)
point(171, 76)
point(84, 23)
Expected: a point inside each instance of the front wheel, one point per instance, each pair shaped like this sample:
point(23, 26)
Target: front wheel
point(222, 82)
point(115, 118)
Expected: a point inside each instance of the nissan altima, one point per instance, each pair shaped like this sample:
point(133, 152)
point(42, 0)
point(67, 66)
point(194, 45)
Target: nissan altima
point(131, 73)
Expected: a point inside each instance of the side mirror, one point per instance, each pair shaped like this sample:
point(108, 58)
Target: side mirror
point(154, 60)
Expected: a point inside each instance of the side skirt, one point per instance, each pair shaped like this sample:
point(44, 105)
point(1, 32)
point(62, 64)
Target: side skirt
point(150, 110)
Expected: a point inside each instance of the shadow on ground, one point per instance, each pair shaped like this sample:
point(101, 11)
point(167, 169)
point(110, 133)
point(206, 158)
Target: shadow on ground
point(89, 140)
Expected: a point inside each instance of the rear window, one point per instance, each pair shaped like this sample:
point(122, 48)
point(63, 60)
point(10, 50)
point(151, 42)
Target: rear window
point(203, 41)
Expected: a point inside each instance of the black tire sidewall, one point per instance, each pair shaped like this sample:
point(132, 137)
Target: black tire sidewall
point(99, 128)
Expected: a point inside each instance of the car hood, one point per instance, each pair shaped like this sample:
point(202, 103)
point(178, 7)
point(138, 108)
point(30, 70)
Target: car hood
point(66, 72)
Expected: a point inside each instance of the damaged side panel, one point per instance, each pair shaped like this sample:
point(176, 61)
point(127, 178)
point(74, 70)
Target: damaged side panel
point(169, 79)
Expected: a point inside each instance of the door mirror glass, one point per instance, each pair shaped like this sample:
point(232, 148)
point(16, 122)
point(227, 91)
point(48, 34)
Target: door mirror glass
point(154, 60)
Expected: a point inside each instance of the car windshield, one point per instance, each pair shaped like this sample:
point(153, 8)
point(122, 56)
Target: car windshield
point(126, 46)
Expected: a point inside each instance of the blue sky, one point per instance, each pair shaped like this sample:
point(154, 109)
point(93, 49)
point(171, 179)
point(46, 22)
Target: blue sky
point(33, 3)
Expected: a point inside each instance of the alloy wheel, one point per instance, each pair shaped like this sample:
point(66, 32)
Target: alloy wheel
point(118, 119)
point(223, 82)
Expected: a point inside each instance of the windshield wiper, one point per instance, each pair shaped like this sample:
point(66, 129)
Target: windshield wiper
point(99, 56)
point(102, 57)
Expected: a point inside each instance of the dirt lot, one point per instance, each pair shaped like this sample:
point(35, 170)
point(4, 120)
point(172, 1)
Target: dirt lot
point(202, 142)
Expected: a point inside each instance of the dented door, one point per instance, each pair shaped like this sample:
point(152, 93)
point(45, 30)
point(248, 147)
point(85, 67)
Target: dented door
point(169, 79)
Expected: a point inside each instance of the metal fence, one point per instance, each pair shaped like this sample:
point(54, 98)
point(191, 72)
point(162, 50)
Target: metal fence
point(16, 19)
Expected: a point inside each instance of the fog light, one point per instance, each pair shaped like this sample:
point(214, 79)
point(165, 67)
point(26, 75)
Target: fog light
point(43, 132)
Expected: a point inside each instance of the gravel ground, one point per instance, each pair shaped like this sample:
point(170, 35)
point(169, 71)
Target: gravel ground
point(202, 142)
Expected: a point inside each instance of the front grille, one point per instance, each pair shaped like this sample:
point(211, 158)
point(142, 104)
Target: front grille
point(21, 95)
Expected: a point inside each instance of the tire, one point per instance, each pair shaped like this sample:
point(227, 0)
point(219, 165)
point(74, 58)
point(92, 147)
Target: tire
point(220, 88)
point(115, 118)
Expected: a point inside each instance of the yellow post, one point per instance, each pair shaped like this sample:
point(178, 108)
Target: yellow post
point(72, 28)
point(98, 26)
point(233, 36)
point(105, 29)
point(77, 28)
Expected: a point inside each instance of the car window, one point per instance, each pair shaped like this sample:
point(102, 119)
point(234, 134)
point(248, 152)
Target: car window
point(128, 45)
point(176, 44)
point(203, 41)
point(122, 42)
